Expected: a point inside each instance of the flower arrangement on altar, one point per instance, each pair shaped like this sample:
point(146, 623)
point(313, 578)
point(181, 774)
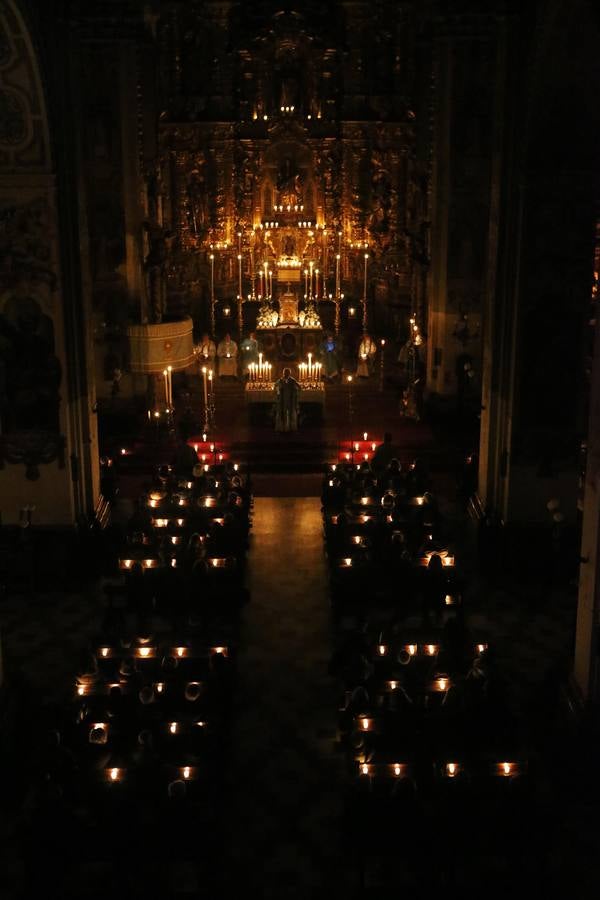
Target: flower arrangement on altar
point(267, 317)
point(309, 318)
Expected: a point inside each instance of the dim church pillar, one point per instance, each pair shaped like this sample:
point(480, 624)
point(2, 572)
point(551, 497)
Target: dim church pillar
point(48, 441)
point(586, 671)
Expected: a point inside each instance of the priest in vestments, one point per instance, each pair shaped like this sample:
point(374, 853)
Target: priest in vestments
point(287, 402)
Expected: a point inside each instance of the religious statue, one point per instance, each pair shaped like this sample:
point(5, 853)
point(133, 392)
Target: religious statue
point(196, 197)
point(289, 186)
point(287, 402)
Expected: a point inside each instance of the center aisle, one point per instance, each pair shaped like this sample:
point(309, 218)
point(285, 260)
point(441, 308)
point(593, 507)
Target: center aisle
point(286, 791)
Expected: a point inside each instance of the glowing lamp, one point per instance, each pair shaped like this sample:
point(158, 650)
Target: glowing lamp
point(115, 774)
point(104, 651)
point(397, 769)
point(364, 769)
point(412, 649)
point(173, 726)
point(382, 649)
point(356, 446)
point(451, 769)
point(393, 685)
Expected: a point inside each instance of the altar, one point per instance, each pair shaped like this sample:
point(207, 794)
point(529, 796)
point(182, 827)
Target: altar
point(260, 401)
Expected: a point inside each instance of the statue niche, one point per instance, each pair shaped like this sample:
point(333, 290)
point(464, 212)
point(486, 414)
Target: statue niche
point(289, 184)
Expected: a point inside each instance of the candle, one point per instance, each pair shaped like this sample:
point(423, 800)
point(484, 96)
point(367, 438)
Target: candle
point(165, 376)
point(169, 377)
point(205, 390)
point(309, 365)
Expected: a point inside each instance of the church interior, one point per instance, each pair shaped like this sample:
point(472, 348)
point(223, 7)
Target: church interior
point(299, 448)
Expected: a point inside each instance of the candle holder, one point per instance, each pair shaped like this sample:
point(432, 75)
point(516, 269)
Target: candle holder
point(382, 366)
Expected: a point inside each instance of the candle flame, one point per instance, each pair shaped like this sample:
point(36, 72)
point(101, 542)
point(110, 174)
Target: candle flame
point(173, 727)
point(186, 772)
point(397, 769)
point(451, 769)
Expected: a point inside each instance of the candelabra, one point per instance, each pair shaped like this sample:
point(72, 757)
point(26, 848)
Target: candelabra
point(350, 402)
point(212, 294)
point(364, 297)
point(206, 411)
point(211, 400)
point(382, 366)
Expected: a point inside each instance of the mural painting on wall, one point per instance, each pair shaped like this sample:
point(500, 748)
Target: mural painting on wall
point(30, 371)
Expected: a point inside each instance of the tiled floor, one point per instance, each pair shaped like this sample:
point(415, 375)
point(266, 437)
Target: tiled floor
point(285, 776)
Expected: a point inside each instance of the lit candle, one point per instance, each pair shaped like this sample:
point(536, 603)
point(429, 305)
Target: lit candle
point(165, 376)
point(205, 391)
point(170, 379)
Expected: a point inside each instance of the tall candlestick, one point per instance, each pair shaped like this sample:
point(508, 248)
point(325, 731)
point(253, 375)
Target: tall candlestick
point(212, 293)
point(310, 282)
point(266, 268)
point(205, 381)
point(240, 275)
point(337, 274)
point(316, 284)
point(166, 388)
point(309, 365)
point(270, 284)
point(170, 379)
point(306, 283)
point(365, 294)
